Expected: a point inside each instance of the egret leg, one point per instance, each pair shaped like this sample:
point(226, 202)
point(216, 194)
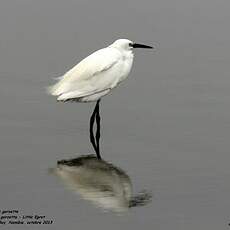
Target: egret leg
point(92, 119)
point(98, 132)
point(96, 115)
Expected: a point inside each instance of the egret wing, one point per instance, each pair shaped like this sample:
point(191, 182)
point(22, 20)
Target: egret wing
point(82, 79)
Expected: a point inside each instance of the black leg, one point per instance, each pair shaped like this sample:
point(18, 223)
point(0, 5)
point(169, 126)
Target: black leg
point(95, 115)
point(98, 132)
point(92, 119)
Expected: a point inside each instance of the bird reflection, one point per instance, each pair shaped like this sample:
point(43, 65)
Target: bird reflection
point(100, 182)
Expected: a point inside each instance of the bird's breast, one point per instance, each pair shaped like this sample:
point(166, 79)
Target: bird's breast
point(126, 67)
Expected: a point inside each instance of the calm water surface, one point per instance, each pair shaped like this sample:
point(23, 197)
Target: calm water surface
point(167, 127)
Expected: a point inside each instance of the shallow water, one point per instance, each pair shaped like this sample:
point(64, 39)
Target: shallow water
point(167, 126)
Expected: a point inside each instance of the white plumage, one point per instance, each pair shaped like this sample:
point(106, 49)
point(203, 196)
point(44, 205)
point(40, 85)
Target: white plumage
point(97, 74)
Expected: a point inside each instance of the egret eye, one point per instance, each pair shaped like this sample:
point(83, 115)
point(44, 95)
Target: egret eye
point(131, 44)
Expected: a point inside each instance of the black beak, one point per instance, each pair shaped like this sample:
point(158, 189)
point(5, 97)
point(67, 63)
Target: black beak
point(135, 45)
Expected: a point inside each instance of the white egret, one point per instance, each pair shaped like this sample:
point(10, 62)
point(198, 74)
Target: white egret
point(95, 76)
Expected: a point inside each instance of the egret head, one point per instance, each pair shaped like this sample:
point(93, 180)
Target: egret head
point(126, 44)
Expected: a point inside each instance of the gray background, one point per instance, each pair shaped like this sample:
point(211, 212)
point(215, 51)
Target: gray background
point(167, 126)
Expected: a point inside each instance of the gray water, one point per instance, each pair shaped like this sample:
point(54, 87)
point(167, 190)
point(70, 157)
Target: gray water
point(167, 126)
